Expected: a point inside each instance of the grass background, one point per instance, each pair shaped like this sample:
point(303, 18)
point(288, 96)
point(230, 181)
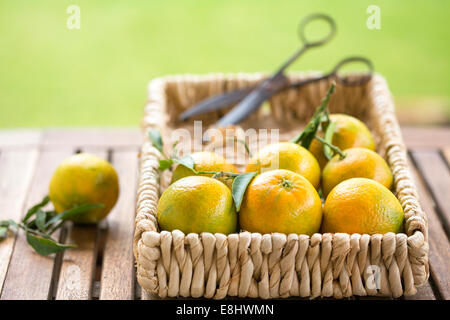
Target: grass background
point(97, 76)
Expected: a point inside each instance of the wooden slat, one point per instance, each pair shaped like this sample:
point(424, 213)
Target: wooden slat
point(117, 281)
point(425, 292)
point(117, 138)
point(446, 153)
point(437, 177)
point(16, 173)
point(30, 275)
point(77, 268)
point(437, 137)
point(130, 137)
point(439, 254)
point(78, 265)
point(117, 276)
point(20, 138)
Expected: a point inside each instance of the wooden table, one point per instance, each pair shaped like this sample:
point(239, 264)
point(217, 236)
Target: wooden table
point(102, 266)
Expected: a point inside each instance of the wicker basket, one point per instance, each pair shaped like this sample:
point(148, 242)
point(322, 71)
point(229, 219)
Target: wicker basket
point(172, 264)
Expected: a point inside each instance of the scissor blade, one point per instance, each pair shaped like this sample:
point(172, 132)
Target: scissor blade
point(254, 100)
point(245, 108)
point(216, 102)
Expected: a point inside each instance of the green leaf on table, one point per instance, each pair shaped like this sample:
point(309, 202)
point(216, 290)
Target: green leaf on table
point(4, 223)
point(41, 216)
point(240, 184)
point(329, 153)
point(156, 139)
point(3, 232)
point(8, 223)
point(72, 212)
point(36, 207)
point(165, 164)
point(46, 246)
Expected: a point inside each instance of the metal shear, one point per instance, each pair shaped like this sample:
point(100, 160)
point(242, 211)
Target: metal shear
point(249, 99)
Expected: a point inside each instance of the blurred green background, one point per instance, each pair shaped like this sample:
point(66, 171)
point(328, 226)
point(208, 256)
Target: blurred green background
point(97, 76)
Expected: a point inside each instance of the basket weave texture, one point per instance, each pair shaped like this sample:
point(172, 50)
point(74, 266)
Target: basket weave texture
point(172, 264)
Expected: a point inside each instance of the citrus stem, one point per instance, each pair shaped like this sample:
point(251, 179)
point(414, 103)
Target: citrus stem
point(287, 184)
point(307, 135)
point(38, 233)
point(245, 145)
point(336, 149)
point(219, 174)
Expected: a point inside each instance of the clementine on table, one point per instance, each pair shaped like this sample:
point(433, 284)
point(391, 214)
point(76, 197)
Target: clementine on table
point(281, 201)
point(288, 156)
point(362, 205)
point(84, 179)
point(349, 133)
point(358, 163)
point(197, 204)
point(205, 161)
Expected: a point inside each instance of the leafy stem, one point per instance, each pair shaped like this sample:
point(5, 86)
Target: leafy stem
point(336, 149)
point(240, 181)
point(329, 132)
point(321, 115)
point(38, 231)
point(247, 149)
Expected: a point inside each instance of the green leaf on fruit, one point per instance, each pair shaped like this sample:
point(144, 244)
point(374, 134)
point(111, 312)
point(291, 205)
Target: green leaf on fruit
point(165, 164)
point(186, 161)
point(307, 135)
point(240, 184)
point(329, 153)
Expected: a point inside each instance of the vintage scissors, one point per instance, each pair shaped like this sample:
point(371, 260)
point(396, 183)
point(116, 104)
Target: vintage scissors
point(251, 98)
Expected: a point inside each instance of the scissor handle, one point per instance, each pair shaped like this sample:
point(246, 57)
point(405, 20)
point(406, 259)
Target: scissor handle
point(354, 79)
point(315, 17)
point(306, 43)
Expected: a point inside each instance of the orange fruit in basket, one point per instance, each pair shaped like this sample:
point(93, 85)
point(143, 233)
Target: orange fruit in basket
point(206, 161)
point(197, 204)
point(358, 163)
point(84, 179)
point(362, 205)
point(281, 201)
point(349, 133)
point(288, 156)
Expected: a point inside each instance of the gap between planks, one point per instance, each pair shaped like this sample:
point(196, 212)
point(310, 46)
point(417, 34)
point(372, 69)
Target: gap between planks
point(118, 276)
point(436, 175)
point(439, 252)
